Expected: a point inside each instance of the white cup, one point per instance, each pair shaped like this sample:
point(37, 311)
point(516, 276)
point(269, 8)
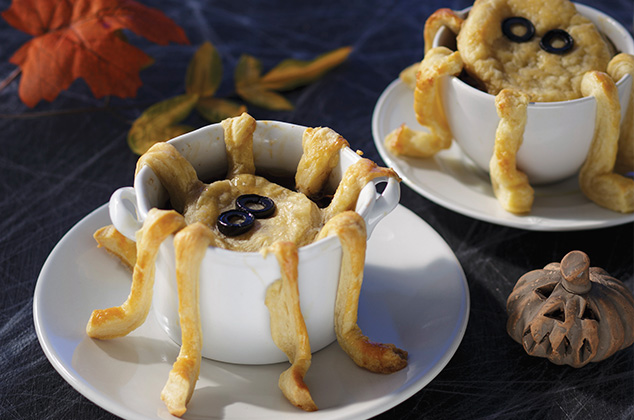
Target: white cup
point(235, 321)
point(557, 136)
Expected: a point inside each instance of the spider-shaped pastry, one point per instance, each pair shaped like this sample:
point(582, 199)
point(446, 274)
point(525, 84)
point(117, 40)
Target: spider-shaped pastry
point(295, 221)
point(521, 51)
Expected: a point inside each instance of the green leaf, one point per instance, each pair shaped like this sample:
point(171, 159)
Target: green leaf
point(204, 72)
point(158, 122)
point(291, 73)
point(217, 109)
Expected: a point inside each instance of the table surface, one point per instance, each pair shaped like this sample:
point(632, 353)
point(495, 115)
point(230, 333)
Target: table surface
point(61, 160)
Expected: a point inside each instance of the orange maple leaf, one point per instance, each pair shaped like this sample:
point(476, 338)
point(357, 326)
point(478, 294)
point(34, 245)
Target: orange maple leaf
point(81, 39)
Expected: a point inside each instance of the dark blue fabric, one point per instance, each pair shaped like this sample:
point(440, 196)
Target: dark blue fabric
point(55, 169)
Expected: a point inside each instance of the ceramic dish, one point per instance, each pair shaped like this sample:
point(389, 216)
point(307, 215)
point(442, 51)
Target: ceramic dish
point(235, 320)
point(414, 294)
point(557, 135)
point(453, 181)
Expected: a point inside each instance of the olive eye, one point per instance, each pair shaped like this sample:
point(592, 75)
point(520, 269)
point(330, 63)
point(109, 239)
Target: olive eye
point(249, 207)
point(556, 41)
point(259, 206)
point(235, 222)
point(518, 29)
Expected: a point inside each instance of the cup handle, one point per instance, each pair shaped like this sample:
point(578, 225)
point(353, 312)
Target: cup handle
point(383, 203)
point(123, 212)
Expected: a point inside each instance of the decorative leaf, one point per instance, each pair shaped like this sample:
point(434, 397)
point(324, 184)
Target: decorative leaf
point(216, 109)
point(204, 72)
point(159, 122)
point(265, 98)
point(291, 73)
point(248, 71)
point(81, 39)
point(247, 79)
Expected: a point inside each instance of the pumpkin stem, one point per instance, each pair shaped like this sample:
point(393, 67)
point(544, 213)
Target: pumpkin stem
point(575, 273)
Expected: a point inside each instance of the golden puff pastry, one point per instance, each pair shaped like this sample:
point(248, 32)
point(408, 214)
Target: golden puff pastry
point(500, 63)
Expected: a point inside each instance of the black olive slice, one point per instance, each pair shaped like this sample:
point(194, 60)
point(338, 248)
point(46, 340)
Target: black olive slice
point(259, 206)
point(235, 222)
point(553, 36)
point(509, 23)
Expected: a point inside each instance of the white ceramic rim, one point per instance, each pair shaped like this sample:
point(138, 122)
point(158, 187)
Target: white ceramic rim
point(371, 215)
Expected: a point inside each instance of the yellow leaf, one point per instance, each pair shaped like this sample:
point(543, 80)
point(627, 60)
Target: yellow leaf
point(157, 122)
point(265, 98)
point(204, 72)
point(247, 79)
point(291, 73)
point(217, 109)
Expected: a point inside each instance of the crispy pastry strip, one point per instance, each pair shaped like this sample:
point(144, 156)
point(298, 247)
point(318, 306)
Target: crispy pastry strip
point(121, 320)
point(510, 185)
point(438, 19)
point(597, 178)
point(190, 245)
point(376, 357)
point(621, 65)
point(239, 144)
point(354, 179)
point(288, 329)
point(438, 62)
point(116, 244)
point(321, 147)
point(175, 173)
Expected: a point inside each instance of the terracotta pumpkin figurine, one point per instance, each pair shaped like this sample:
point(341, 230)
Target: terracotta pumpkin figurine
point(571, 313)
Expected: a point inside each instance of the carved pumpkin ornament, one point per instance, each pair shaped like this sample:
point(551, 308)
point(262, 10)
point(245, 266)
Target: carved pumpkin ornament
point(571, 313)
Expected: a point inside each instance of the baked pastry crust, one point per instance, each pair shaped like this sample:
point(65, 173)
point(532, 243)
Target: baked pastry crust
point(620, 66)
point(438, 63)
point(499, 63)
point(121, 320)
point(288, 329)
point(349, 227)
point(597, 178)
point(510, 185)
point(118, 245)
point(190, 246)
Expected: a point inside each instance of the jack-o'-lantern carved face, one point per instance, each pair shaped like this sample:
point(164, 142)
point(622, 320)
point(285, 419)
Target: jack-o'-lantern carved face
point(570, 313)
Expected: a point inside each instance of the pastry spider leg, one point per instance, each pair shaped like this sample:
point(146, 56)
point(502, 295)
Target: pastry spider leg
point(618, 67)
point(354, 179)
point(190, 245)
point(440, 18)
point(288, 329)
point(121, 320)
point(510, 186)
point(376, 357)
point(321, 147)
point(116, 244)
point(239, 144)
point(438, 62)
point(597, 178)
point(175, 173)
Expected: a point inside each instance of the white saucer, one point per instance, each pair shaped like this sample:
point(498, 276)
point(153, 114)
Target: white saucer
point(452, 180)
point(414, 295)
